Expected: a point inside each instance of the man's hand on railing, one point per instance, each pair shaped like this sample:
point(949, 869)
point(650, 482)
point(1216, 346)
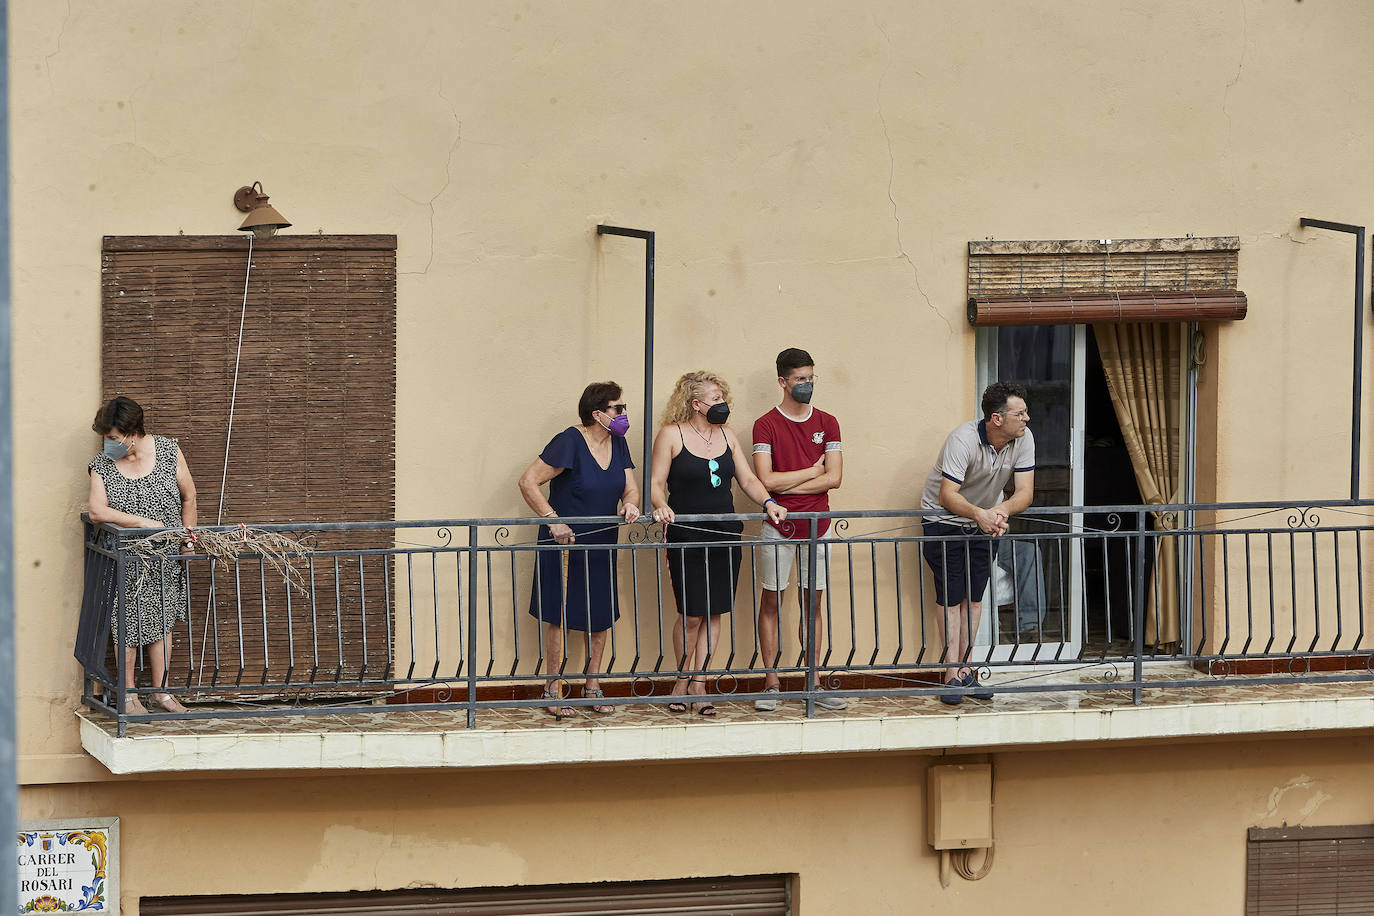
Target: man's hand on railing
point(992, 521)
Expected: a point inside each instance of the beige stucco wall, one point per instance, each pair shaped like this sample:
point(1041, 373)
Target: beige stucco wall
point(1129, 830)
point(813, 171)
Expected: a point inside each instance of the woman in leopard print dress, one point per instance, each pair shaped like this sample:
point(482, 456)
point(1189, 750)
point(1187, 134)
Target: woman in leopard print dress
point(142, 481)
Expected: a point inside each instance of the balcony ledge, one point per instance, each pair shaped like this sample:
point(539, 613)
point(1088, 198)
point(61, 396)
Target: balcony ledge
point(397, 738)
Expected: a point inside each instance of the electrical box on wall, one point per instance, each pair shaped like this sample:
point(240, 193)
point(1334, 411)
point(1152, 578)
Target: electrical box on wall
point(959, 801)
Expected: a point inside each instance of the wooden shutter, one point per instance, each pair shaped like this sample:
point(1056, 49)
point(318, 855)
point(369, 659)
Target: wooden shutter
point(313, 421)
point(751, 896)
point(1101, 308)
point(1310, 871)
point(1104, 280)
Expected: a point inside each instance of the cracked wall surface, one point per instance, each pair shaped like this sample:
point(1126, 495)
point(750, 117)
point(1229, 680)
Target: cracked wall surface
point(1094, 824)
point(814, 172)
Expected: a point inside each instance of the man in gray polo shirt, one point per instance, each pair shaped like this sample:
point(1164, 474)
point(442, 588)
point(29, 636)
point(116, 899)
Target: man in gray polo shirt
point(979, 462)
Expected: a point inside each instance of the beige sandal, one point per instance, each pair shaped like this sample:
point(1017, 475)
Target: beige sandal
point(168, 703)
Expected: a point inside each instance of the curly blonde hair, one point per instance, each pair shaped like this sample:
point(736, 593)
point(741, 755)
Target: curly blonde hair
point(691, 385)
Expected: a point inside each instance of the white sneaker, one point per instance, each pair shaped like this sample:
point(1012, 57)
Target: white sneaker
point(832, 703)
point(767, 704)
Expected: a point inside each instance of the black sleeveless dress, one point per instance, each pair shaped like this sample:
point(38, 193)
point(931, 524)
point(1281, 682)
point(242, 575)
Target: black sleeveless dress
point(704, 576)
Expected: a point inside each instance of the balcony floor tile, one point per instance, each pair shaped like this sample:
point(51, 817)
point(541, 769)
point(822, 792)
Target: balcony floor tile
point(399, 737)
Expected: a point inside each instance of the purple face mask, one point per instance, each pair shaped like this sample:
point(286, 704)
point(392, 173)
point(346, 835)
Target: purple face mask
point(619, 426)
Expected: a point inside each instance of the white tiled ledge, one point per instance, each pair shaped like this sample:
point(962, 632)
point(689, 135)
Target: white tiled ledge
point(232, 747)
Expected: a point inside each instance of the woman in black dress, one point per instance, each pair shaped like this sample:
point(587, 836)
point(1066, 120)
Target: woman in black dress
point(696, 455)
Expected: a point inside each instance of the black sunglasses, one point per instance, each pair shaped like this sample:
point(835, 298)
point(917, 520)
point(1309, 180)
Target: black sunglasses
point(615, 409)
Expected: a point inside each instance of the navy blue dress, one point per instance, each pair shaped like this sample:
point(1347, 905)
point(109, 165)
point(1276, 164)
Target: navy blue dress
point(584, 488)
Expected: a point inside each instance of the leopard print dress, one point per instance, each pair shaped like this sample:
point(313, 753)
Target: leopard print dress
point(154, 607)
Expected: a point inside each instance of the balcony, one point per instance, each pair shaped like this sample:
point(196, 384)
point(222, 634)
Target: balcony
point(409, 644)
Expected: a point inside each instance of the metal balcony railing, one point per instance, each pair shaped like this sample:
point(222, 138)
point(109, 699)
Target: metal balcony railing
point(429, 614)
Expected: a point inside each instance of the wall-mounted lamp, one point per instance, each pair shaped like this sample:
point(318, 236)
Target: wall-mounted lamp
point(263, 219)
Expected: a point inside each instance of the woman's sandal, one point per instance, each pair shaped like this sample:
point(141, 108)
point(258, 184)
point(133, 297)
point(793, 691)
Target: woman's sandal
point(168, 703)
point(559, 713)
point(704, 708)
point(679, 706)
point(604, 709)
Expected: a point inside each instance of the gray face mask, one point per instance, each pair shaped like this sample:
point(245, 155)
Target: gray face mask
point(114, 449)
point(801, 392)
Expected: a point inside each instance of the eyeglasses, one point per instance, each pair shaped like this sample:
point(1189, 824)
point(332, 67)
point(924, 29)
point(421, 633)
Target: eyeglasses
point(615, 409)
point(1019, 414)
point(713, 465)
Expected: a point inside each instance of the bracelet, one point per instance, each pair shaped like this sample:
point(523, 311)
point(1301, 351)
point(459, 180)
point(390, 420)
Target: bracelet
point(771, 500)
point(550, 515)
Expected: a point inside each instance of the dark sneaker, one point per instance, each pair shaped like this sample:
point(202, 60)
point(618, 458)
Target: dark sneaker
point(953, 699)
point(977, 690)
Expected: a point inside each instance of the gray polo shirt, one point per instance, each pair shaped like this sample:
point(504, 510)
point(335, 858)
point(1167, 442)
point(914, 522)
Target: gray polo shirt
point(982, 472)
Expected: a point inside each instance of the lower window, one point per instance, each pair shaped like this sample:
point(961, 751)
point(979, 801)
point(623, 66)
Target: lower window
point(768, 895)
point(1306, 871)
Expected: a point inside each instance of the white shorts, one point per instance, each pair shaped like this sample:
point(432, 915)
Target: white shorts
point(773, 559)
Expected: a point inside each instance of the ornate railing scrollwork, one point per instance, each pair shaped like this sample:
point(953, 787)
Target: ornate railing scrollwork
point(1305, 518)
point(725, 683)
point(1221, 667)
point(644, 530)
point(1306, 665)
point(832, 679)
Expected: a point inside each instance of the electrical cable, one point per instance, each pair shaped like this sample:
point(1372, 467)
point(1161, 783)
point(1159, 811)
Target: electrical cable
point(234, 392)
point(962, 857)
point(228, 437)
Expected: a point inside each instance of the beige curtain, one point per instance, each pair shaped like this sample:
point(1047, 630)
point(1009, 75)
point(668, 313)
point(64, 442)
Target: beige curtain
point(1143, 363)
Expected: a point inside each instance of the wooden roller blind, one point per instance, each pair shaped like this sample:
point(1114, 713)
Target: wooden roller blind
point(1310, 871)
point(749, 896)
point(314, 413)
point(1098, 308)
point(1104, 280)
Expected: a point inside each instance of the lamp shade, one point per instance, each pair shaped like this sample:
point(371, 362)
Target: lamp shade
point(263, 220)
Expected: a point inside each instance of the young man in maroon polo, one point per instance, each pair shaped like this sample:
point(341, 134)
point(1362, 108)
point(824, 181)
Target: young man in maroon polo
point(797, 456)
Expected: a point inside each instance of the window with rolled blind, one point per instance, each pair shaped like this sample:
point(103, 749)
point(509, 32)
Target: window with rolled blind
point(314, 412)
point(768, 895)
point(1310, 871)
point(1092, 281)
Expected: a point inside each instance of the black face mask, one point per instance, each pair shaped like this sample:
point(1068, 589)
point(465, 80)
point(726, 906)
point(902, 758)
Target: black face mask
point(717, 414)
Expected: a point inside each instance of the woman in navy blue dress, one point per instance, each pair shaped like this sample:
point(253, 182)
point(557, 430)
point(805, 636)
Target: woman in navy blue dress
point(589, 472)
